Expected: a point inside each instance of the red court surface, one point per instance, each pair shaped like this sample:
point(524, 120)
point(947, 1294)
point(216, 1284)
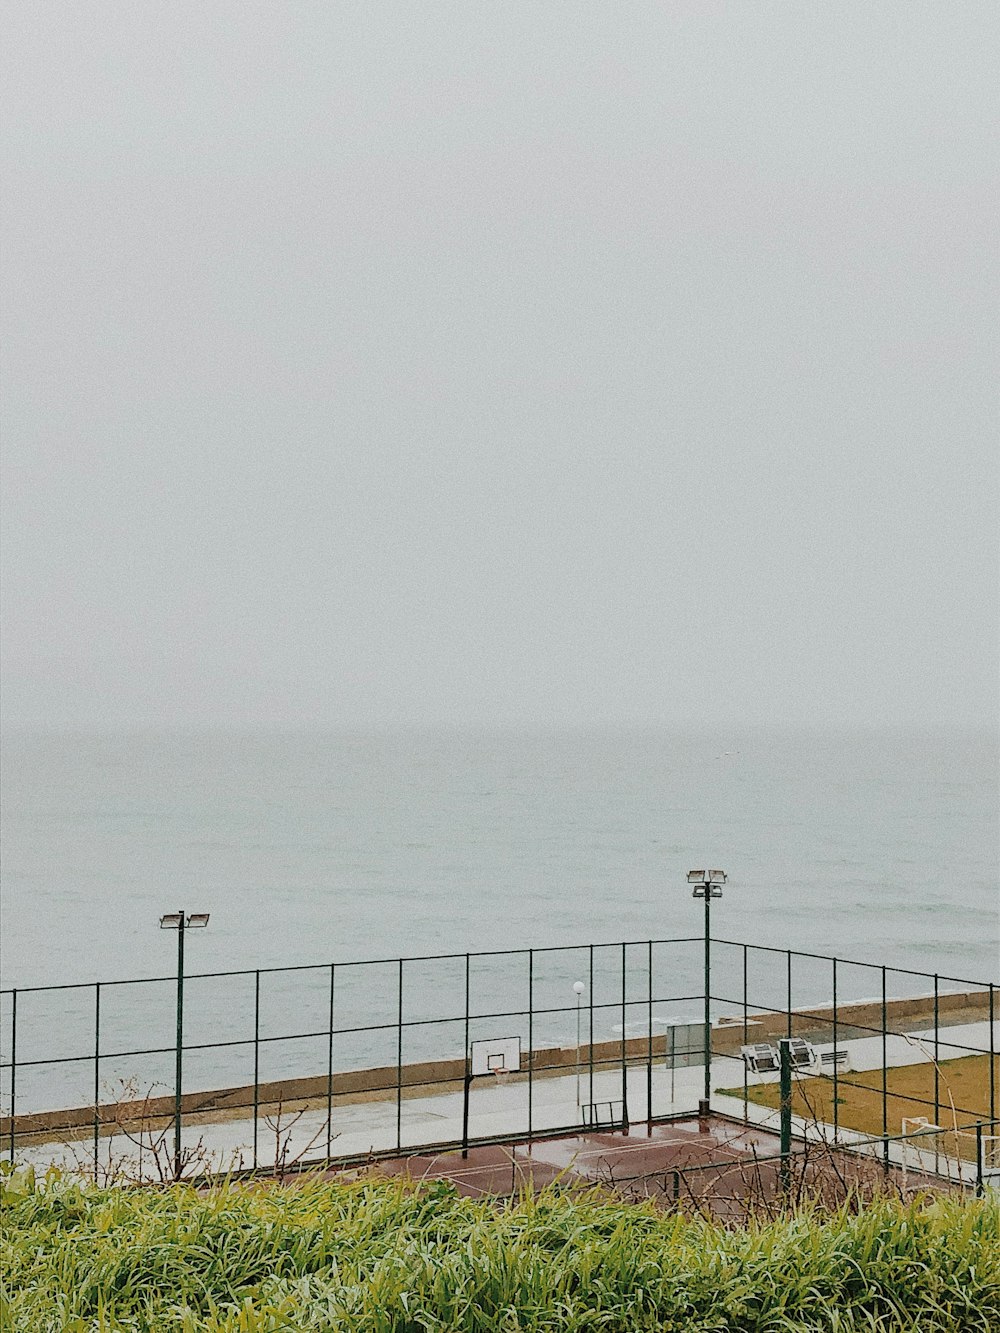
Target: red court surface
point(713, 1163)
point(637, 1163)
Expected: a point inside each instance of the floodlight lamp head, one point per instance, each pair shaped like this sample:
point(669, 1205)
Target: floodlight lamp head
point(197, 920)
point(172, 921)
point(708, 883)
point(578, 988)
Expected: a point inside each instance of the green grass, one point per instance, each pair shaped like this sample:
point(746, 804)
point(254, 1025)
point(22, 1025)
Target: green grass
point(963, 1083)
point(379, 1256)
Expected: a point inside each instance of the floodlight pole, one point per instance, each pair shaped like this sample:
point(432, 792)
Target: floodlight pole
point(181, 922)
point(179, 1047)
point(708, 885)
point(707, 1036)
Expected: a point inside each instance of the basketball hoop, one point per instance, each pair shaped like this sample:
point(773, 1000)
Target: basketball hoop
point(500, 1077)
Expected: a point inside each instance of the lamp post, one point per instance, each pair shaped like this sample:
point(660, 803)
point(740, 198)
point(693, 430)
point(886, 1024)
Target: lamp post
point(578, 989)
point(182, 923)
point(708, 885)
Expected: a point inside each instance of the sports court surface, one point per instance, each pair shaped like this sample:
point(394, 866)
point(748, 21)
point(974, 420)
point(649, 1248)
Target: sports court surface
point(652, 1163)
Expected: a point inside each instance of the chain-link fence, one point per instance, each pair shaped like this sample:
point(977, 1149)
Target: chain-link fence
point(346, 1060)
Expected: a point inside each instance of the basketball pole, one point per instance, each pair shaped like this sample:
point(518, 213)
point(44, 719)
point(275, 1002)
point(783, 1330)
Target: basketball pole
point(465, 1109)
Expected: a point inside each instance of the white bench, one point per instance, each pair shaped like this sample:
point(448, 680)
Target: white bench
point(840, 1059)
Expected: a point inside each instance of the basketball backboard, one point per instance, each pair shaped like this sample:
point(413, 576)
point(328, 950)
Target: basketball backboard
point(496, 1055)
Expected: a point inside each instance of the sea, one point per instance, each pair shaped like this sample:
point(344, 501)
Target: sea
point(319, 847)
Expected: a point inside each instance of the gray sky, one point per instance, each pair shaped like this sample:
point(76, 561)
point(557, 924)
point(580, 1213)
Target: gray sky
point(372, 363)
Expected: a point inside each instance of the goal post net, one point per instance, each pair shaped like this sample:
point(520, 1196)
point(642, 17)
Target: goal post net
point(923, 1146)
point(939, 1150)
point(979, 1149)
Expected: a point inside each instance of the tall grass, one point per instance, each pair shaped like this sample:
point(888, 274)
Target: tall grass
point(381, 1256)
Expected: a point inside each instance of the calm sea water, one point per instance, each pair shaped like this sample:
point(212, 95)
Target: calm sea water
point(315, 847)
point(320, 848)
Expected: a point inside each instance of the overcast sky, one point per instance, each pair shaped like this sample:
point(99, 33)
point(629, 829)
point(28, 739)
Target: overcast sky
point(500, 363)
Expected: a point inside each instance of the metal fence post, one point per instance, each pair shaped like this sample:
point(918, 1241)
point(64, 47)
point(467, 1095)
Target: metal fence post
point(836, 1063)
point(788, 992)
point(979, 1159)
point(785, 1095)
point(746, 1039)
point(590, 1026)
point(329, 1066)
point(885, 1078)
point(97, 1075)
point(624, 1044)
point(937, 1090)
point(993, 1072)
point(13, 1068)
point(531, 1042)
point(649, 1040)
point(256, 1064)
point(399, 1060)
point(673, 1063)
point(467, 1061)
point(468, 1005)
